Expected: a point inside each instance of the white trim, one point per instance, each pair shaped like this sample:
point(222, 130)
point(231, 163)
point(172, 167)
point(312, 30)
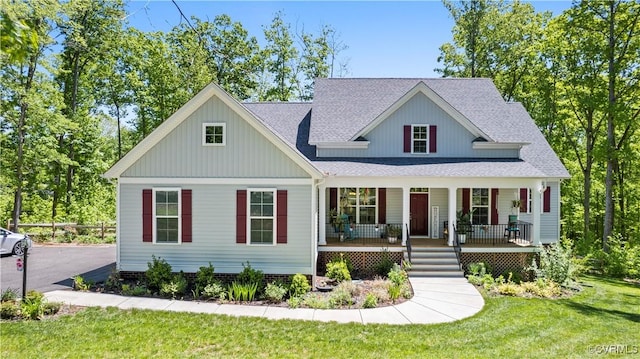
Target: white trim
point(118, 241)
point(191, 106)
point(428, 140)
point(274, 217)
point(530, 249)
point(498, 145)
point(214, 124)
point(153, 202)
point(359, 249)
point(422, 87)
point(215, 181)
point(361, 145)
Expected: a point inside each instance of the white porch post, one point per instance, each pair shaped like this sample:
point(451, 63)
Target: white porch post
point(322, 215)
point(405, 213)
point(452, 214)
point(535, 214)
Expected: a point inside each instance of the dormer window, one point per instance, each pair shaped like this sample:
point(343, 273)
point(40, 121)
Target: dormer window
point(419, 139)
point(214, 134)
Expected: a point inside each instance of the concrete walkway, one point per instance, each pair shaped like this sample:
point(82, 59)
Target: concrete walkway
point(435, 300)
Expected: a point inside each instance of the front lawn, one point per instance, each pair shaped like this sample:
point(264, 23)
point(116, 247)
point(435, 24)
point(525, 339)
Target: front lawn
point(606, 313)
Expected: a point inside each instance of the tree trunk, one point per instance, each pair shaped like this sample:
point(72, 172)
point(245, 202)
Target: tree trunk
point(611, 146)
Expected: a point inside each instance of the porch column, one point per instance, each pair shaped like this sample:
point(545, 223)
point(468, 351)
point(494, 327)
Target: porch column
point(452, 214)
point(535, 214)
point(322, 215)
point(406, 215)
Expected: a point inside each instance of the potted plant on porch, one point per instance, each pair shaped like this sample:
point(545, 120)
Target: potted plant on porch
point(337, 222)
point(463, 225)
point(393, 232)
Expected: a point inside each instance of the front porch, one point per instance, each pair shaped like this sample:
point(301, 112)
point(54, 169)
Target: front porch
point(426, 242)
point(386, 216)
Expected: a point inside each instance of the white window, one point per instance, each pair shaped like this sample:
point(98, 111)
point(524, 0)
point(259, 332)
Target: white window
point(419, 139)
point(360, 204)
point(214, 134)
point(480, 206)
point(166, 213)
point(262, 221)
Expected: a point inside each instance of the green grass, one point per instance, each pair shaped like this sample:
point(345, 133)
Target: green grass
point(606, 312)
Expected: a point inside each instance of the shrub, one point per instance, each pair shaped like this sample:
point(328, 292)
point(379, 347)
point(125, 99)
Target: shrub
point(542, 288)
point(242, 292)
point(204, 277)
point(397, 275)
point(251, 276)
point(9, 310)
point(113, 282)
point(51, 308)
point(32, 306)
point(80, 284)
point(341, 296)
point(383, 267)
point(479, 268)
point(338, 270)
point(213, 290)
point(380, 288)
point(623, 259)
point(159, 272)
point(175, 287)
point(556, 264)
point(9, 295)
point(294, 302)
point(394, 292)
point(316, 301)
point(136, 291)
point(275, 292)
point(509, 288)
point(513, 276)
point(370, 301)
point(299, 285)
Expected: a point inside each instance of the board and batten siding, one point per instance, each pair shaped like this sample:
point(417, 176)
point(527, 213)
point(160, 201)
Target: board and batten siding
point(247, 153)
point(387, 139)
point(214, 233)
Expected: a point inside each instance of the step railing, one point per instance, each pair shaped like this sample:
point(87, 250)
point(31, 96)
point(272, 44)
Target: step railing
point(408, 242)
point(456, 246)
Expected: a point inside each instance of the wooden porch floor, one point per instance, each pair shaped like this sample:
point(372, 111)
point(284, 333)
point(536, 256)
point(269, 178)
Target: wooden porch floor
point(427, 242)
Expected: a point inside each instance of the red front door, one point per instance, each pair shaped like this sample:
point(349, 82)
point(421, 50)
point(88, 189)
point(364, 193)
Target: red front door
point(419, 216)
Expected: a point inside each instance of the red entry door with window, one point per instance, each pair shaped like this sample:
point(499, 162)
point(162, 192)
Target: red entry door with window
point(419, 214)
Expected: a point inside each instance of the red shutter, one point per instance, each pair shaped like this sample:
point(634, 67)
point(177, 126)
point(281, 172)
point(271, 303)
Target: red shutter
point(466, 196)
point(147, 215)
point(546, 201)
point(241, 216)
point(186, 216)
point(382, 205)
point(494, 206)
point(524, 200)
point(433, 144)
point(282, 217)
point(333, 198)
point(407, 138)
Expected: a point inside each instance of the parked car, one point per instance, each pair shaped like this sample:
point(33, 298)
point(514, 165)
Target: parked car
point(11, 242)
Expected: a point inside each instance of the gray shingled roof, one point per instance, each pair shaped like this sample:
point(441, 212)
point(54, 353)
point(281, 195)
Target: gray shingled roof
point(343, 107)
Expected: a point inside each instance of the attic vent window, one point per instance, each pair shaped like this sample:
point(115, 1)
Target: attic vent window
point(214, 134)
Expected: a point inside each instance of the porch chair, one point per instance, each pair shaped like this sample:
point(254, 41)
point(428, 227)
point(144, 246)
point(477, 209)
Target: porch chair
point(348, 228)
point(512, 227)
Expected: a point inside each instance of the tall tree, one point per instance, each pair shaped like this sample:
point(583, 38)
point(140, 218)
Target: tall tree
point(282, 60)
point(30, 104)
point(493, 39)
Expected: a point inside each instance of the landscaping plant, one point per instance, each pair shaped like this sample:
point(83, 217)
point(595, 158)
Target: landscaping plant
point(299, 285)
point(159, 272)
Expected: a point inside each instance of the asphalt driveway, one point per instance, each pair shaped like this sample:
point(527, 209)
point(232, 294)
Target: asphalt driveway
point(50, 267)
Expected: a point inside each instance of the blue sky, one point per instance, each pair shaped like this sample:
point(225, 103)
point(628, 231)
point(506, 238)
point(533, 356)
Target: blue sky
point(385, 39)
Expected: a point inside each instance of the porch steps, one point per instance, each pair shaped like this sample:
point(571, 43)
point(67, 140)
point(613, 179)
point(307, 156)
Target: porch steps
point(433, 262)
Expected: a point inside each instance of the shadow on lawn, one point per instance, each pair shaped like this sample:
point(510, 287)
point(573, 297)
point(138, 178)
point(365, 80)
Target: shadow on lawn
point(595, 311)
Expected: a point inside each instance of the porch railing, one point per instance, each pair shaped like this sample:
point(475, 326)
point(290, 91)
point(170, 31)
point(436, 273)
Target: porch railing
point(408, 243)
point(365, 234)
point(456, 246)
point(497, 234)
